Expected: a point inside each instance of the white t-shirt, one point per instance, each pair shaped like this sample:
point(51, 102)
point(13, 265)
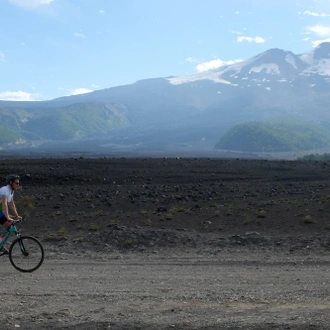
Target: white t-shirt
point(7, 192)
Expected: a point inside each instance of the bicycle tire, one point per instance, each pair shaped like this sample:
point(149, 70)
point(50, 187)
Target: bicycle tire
point(26, 254)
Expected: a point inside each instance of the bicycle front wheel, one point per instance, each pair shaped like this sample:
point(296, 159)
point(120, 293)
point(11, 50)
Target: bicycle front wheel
point(26, 254)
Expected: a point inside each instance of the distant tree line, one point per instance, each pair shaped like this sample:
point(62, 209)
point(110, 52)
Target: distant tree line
point(325, 156)
point(274, 135)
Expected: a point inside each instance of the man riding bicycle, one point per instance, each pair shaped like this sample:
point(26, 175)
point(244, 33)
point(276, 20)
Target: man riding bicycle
point(7, 198)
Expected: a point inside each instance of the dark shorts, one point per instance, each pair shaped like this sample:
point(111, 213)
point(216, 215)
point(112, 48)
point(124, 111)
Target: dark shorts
point(3, 218)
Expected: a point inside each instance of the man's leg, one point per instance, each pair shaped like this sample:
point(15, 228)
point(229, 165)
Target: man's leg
point(5, 223)
point(3, 220)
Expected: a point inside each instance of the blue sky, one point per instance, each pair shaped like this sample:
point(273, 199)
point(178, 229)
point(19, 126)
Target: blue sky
point(54, 48)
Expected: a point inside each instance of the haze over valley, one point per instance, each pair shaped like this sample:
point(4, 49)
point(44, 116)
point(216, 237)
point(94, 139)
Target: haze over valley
point(189, 114)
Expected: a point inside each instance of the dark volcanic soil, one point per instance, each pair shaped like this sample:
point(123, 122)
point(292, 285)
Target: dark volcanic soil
point(138, 203)
point(171, 244)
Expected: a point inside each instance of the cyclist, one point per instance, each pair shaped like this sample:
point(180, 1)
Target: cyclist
point(7, 198)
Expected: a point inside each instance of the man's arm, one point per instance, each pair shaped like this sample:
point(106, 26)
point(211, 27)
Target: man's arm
point(5, 207)
point(13, 209)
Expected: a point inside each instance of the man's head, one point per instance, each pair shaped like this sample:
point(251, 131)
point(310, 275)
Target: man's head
point(13, 180)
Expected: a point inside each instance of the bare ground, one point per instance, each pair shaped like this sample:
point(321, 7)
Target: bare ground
point(172, 244)
point(177, 291)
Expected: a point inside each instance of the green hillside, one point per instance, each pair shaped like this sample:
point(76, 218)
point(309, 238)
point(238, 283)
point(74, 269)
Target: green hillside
point(9, 136)
point(275, 135)
point(77, 120)
point(12, 118)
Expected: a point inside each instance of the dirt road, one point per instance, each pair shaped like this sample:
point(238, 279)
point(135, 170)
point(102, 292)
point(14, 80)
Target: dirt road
point(236, 290)
point(205, 244)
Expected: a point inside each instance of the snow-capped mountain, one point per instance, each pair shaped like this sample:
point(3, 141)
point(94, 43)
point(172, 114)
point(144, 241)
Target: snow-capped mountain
point(274, 65)
point(194, 108)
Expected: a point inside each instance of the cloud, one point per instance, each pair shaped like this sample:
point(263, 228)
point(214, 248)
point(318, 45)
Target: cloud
point(191, 60)
point(101, 11)
point(258, 40)
point(78, 91)
point(307, 12)
point(30, 3)
point(214, 64)
point(2, 57)
point(317, 42)
point(235, 32)
point(79, 35)
point(17, 96)
point(320, 30)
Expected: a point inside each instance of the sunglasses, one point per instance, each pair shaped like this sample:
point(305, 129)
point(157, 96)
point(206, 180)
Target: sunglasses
point(16, 182)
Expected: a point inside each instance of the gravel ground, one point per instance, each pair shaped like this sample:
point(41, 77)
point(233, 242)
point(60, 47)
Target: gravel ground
point(238, 289)
point(172, 244)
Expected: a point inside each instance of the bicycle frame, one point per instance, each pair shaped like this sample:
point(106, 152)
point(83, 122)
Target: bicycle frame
point(9, 231)
point(25, 253)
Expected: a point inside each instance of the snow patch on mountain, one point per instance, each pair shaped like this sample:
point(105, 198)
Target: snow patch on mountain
point(186, 79)
point(265, 66)
point(291, 60)
point(321, 67)
point(270, 68)
point(307, 57)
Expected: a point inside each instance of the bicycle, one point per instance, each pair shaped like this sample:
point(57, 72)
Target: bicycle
point(26, 253)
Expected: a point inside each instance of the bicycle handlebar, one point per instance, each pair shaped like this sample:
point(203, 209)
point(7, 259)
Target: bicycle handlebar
point(13, 224)
point(18, 221)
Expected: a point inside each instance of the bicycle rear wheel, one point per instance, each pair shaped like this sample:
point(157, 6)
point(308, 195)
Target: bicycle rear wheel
point(26, 254)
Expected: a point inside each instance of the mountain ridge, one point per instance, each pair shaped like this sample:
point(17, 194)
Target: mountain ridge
point(279, 134)
point(186, 109)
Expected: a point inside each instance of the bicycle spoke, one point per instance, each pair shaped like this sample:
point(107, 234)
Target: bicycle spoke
point(26, 254)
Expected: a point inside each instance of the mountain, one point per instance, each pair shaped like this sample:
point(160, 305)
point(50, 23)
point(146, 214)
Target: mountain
point(282, 134)
point(191, 112)
point(77, 120)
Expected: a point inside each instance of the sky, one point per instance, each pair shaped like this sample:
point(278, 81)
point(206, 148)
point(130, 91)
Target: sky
point(55, 48)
